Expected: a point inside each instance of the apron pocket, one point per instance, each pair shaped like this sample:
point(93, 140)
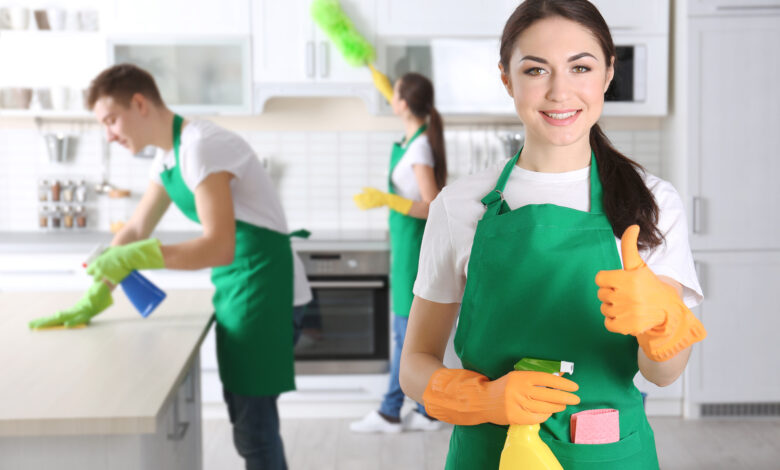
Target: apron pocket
point(587, 456)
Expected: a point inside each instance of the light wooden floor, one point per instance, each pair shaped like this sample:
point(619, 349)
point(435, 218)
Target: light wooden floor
point(327, 444)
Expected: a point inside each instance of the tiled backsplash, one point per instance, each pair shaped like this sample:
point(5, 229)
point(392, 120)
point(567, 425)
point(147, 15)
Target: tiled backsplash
point(316, 173)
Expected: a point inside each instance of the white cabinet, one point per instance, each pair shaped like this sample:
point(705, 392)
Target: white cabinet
point(731, 7)
point(438, 18)
point(646, 17)
point(738, 361)
point(734, 143)
point(201, 17)
point(292, 56)
point(290, 47)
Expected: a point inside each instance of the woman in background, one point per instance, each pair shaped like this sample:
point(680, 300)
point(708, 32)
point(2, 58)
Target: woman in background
point(418, 171)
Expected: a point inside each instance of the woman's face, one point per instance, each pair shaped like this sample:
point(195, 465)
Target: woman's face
point(398, 104)
point(557, 77)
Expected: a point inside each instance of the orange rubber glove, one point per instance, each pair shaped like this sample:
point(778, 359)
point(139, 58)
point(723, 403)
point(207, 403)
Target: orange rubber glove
point(636, 302)
point(465, 397)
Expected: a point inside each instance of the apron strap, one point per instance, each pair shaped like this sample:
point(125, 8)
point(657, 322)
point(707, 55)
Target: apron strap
point(414, 136)
point(300, 233)
point(596, 193)
point(177, 121)
point(494, 199)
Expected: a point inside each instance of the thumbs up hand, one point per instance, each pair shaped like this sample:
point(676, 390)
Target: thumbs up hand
point(636, 302)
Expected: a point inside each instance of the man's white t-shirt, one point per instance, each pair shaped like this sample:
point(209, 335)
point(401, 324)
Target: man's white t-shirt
point(454, 214)
point(418, 152)
point(207, 148)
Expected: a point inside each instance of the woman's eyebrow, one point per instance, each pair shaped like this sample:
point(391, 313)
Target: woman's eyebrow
point(571, 59)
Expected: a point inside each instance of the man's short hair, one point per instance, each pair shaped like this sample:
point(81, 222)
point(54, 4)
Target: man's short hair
point(121, 82)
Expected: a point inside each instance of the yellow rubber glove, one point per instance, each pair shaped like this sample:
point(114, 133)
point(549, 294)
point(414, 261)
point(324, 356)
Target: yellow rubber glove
point(95, 300)
point(465, 397)
point(382, 83)
point(371, 198)
point(636, 302)
point(117, 262)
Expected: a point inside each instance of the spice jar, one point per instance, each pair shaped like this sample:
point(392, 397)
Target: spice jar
point(55, 191)
point(55, 218)
point(43, 217)
point(43, 190)
point(67, 191)
point(81, 191)
point(81, 217)
point(67, 217)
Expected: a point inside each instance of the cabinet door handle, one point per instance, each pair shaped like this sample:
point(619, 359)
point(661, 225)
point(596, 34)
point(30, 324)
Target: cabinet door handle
point(324, 60)
point(310, 59)
point(746, 8)
point(179, 427)
point(696, 214)
point(190, 398)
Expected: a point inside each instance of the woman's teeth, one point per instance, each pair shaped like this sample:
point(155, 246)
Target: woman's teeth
point(560, 115)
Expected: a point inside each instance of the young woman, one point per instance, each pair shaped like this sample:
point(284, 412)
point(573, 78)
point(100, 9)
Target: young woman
point(418, 171)
point(516, 249)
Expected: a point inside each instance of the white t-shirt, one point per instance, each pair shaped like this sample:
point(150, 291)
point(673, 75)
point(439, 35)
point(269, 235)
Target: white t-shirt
point(207, 148)
point(454, 214)
point(419, 152)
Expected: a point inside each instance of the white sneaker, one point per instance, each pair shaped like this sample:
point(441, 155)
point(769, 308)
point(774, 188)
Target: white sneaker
point(416, 421)
point(374, 422)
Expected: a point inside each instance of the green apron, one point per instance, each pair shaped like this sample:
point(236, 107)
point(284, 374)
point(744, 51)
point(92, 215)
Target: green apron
point(531, 293)
point(252, 301)
point(406, 234)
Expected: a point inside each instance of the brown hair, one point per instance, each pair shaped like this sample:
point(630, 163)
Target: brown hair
point(121, 82)
point(417, 91)
point(626, 199)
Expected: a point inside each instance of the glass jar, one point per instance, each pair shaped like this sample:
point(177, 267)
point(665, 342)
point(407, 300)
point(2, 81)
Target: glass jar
point(55, 218)
point(43, 217)
point(67, 217)
point(81, 191)
point(43, 190)
point(55, 191)
point(81, 217)
point(68, 189)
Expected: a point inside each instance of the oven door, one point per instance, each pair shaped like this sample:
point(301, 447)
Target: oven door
point(345, 327)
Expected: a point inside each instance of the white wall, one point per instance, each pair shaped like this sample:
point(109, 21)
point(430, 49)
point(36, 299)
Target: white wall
point(320, 152)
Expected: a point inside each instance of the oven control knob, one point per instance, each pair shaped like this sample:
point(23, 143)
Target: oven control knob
point(352, 263)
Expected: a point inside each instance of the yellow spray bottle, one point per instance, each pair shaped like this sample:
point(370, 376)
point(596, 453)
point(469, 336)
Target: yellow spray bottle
point(524, 449)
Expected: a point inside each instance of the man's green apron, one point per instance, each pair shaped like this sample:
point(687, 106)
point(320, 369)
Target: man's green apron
point(252, 302)
point(406, 234)
point(531, 293)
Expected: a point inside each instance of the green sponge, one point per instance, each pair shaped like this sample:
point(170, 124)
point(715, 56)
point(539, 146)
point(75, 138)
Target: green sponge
point(337, 26)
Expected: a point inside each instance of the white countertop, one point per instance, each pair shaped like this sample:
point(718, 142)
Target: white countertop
point(112, 377)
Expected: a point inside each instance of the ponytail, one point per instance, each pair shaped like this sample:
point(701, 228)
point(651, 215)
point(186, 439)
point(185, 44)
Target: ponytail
point(417, 91)
point(436, 139)
point(627, 200)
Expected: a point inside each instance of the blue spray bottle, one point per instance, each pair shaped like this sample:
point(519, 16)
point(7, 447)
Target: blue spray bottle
point(144, 295)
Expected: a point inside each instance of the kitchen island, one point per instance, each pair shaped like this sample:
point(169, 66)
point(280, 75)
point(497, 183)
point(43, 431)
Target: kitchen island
point(122, 393)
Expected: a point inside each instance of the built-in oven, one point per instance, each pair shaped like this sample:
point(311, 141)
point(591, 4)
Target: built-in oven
point(346, 325)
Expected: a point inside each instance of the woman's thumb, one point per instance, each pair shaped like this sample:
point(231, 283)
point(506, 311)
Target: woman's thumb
point(628, 247)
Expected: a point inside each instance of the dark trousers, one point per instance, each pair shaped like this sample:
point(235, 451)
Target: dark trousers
point(256, 430)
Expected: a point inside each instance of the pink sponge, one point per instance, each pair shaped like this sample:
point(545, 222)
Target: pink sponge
point(600, 426)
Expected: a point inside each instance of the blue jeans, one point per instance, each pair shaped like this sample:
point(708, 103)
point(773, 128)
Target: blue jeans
point(394, 398)
point(256, 435)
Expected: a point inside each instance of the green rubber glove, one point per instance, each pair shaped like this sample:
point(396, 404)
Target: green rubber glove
point(117, 262)
point(95, 300)
point(372, 197)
